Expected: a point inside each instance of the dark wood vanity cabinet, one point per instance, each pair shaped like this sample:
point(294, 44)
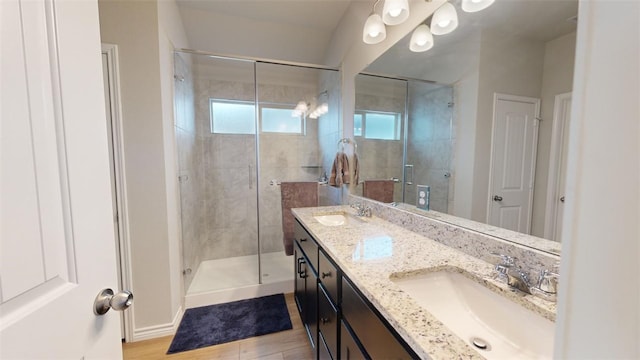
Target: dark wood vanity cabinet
point(306, 293)
point(340, 322)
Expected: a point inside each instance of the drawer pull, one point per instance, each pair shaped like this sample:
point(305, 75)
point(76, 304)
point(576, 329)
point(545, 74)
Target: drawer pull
point(325, 320)
point(301, 273)
point(303, 239)
point(326, 274)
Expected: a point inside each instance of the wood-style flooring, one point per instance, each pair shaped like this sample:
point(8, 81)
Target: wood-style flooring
point(291, 344)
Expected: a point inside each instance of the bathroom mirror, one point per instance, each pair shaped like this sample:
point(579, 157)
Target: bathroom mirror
point(511, 53)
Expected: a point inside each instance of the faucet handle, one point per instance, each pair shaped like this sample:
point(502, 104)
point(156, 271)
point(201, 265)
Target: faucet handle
point(548, 281)
point(505, 260)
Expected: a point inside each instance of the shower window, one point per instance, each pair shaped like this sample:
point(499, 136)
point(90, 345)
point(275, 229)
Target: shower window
point(377, 125)
point(278, 118)
point(237, 117)
point(232, 117)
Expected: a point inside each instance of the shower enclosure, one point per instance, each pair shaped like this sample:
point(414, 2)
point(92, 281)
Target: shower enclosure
point(405, 130)
point(238, 135)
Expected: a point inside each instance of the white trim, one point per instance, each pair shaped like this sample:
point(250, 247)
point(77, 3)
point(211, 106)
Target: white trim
point(246, 292)
point(534, 150)
point(559, 126)
point(124, 246)
point(156, 331)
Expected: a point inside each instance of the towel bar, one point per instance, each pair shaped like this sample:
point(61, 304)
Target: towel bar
point(348, 141)
point(277, 183)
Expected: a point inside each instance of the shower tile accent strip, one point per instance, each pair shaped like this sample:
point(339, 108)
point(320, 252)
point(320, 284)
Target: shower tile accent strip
point(404, 253)
point(475, 243)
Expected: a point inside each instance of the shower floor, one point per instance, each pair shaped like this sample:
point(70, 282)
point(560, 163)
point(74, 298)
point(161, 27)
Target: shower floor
point(241, 271)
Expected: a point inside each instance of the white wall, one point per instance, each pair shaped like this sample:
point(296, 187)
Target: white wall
point(557, 78)
point(147, 110)
point(465, 98)
point(171, 35)
point(508, 65)
point(599, 304)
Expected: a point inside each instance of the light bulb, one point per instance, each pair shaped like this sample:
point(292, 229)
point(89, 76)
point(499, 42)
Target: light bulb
point(444, 20)
point(444, 23)
point(374, 30)
point(395, 12)
point(421, 39)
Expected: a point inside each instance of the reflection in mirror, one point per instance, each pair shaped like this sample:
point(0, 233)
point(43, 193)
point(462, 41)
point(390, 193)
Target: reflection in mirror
point(513, 60)
point(379, 124)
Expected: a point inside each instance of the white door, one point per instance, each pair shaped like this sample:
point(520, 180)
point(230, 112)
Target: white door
point(558, 167)
point(57, 250)
point(513, 161)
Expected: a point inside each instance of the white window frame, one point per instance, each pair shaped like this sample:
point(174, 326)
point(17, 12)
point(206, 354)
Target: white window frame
point(397, 129)
point(261, 106)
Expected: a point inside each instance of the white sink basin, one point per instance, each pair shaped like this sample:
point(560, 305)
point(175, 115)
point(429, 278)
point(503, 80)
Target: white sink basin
point(332, 219)
point(472, 311)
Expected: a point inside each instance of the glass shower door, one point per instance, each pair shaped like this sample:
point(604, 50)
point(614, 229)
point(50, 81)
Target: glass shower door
point(290, 149)
point(216, 143)
point(429, 142)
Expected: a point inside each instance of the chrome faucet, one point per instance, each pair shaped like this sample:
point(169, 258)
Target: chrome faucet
point(546, 287)
point(361, 210)
point(513, 276)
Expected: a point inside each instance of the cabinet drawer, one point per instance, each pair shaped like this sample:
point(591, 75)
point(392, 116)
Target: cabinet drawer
point(308, 245)
point(329, 276)
point(328, 322)
point(378, 341)
point(349, 349)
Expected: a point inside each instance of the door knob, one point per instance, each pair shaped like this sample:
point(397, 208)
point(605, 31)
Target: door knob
point(562, 199)
point(497, 198)
point(106, 300)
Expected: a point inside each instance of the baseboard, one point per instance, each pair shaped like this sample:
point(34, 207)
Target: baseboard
point(246, 292)
point(156, 331)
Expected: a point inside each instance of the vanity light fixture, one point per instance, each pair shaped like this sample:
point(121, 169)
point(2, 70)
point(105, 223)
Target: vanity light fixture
point(395, 12)
point(421, 39)
point(475, 5)
point(444, 20)
point(301, 109)
point(321, 109)
point(374, 30)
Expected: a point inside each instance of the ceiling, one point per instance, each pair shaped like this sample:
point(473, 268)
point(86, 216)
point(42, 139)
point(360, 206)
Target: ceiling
point(318, 14)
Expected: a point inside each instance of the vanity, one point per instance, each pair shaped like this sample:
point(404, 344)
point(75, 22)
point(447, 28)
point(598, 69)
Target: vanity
point(362, 290)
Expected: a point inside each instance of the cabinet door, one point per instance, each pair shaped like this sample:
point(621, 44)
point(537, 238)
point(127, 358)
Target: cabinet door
point(300, 269)
point(349, 349)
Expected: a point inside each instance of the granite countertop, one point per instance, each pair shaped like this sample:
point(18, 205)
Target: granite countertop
point(371, 251)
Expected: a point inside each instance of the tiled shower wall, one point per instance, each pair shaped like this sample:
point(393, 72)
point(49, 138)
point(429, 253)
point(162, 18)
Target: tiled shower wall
point(219, 184)
point(430, 142)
